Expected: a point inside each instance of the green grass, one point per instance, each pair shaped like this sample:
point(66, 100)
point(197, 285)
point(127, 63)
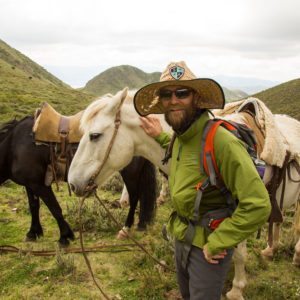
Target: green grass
point(283, 98)
point(123, 275)
point(24, 86)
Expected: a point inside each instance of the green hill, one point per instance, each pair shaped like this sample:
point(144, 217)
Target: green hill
point(116, 78)
point(233, 95)
point(283, 98)
point(24, 85)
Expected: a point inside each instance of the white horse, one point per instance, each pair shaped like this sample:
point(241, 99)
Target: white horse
point(98, 126)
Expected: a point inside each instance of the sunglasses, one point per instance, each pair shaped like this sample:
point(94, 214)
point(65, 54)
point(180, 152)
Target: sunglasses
point(179, 93)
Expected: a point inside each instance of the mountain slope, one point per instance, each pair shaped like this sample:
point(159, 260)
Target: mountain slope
point(116, 78)
point(17, 60)
point(24, 85)
point(232, 95)
point(283, 98)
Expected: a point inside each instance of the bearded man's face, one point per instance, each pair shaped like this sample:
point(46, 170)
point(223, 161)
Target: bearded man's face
point(179, 106)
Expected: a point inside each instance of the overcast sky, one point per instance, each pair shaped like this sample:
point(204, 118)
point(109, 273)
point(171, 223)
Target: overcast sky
point(76, 40)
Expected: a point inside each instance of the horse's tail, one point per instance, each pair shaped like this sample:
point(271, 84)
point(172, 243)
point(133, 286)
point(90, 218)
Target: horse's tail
point(147, 192)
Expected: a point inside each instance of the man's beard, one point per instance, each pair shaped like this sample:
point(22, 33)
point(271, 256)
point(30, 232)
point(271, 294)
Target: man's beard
point(181, 120)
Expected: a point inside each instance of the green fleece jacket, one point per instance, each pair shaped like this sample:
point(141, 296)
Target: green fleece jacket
point(239, 175)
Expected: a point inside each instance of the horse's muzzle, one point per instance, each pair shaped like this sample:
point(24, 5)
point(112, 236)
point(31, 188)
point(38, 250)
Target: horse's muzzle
point(87, 191)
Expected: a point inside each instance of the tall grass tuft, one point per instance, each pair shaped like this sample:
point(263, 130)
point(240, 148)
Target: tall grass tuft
point(65, 263)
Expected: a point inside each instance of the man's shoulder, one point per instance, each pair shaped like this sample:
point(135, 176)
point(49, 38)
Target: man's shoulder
point(224, 136)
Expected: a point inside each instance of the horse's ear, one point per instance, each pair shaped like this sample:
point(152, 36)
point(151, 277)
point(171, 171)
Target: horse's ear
point(124, 93)
point(119, 98)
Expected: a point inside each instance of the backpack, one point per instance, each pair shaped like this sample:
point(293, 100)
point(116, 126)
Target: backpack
point(208, 165)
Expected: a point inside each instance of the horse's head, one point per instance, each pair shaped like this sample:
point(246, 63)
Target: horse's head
point(98, 125)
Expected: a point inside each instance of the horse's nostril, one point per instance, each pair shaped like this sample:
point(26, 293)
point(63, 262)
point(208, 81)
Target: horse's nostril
point(72, 187)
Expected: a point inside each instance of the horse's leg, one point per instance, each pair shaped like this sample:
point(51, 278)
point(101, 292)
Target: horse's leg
point(270, 250)
point(140, 179)
point(36, 229)
point(47, 195)
point(164, 191)
point(239, 280)
point(296, 258)
point(124, 200)
point(133, 199)
point(147, 191)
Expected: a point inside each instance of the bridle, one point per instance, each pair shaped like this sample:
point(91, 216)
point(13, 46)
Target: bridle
point(91, 186)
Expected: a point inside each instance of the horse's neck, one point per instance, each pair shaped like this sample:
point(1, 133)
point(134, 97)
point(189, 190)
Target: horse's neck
point(147, 147)
point(144, 145)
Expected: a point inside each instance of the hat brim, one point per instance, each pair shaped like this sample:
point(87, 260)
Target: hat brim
point(211, 95)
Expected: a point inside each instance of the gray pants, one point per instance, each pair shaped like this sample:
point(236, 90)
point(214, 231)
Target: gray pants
point(200, 280)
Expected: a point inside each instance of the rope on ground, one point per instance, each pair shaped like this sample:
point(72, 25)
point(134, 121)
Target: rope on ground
point(120, 228)
point(96, 248)
point(130, 236)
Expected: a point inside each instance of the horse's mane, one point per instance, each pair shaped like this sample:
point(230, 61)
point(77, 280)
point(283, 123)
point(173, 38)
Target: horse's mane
point(7, 127)
point(99, 104)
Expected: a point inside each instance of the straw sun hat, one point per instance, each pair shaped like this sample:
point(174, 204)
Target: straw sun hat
point(146, 99)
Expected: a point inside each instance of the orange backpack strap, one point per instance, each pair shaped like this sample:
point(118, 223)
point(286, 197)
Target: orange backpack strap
point(208, 162)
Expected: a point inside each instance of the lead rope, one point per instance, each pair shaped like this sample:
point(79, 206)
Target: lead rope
point(91, 188)
point(120, 227)
point(84, 252)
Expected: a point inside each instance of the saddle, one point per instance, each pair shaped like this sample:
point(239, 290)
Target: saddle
point(62, 134)
point(51, 126)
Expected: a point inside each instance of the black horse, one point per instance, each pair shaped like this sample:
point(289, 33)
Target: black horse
point(25, 163)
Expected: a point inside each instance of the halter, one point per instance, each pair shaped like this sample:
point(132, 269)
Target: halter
point(91, 186)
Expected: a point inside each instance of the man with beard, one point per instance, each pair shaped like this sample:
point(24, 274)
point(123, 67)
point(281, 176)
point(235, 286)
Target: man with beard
point(202, 263)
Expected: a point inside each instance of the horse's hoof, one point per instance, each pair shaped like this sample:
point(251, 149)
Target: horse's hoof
point(296, 261)
point(63, 242)
point(115, 204)
point(123, 234)
point(267, 253)
point(160, 200)
point(71, 236)
point(33, 236)
point(234, 296)
point(30, 238)
point(141, 228)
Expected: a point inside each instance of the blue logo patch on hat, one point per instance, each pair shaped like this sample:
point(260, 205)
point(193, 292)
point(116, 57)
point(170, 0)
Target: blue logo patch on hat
point(177, 72)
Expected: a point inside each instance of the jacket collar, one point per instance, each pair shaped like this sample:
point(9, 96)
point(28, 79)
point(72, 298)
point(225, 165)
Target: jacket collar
point(196, 127)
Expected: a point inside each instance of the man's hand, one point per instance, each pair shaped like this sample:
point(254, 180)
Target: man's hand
point(213, 259)
point(151, 125)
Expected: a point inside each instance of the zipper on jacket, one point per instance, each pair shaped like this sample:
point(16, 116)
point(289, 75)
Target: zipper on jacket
point(179, 152)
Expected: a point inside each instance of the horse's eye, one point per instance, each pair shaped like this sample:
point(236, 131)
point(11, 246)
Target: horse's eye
point(94, 136)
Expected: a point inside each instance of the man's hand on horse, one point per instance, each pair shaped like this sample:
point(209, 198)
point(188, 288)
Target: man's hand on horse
point(151, 125)
point(213, 259)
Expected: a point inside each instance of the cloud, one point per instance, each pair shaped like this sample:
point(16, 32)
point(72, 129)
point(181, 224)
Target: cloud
point(230, 36)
